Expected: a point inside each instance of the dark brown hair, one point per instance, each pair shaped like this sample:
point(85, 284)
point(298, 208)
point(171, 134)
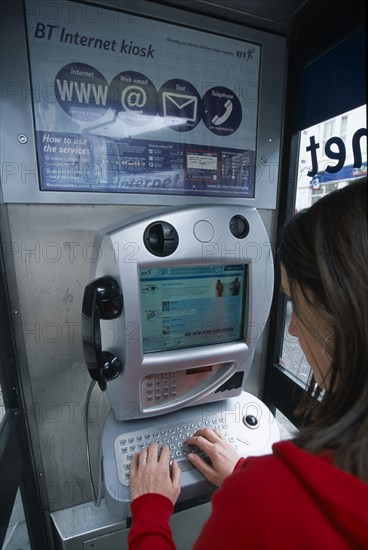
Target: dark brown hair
point(324, 251)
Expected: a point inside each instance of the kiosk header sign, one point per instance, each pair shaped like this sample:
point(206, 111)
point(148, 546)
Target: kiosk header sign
point(130, 104)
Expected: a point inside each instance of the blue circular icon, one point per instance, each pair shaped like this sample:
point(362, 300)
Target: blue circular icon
point(179, 105)
point(133, 97)
point(82, 91)
point(222, 112)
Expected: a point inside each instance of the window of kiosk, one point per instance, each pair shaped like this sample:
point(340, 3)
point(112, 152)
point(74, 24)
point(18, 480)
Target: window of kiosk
point(336, 119)
point(19, 522)
point(309, 190)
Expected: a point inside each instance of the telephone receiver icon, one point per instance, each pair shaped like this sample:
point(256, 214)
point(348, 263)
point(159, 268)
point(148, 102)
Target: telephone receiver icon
point(102, 300)
point(217, 120)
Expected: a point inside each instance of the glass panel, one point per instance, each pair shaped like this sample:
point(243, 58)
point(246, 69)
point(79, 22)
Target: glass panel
point(17, 534)
point(2, 407)
point(293, 358)
point(311, 189)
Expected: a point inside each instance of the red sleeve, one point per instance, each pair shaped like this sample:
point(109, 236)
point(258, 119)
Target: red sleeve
point(239, 464)
point(218, 532)
point(150, 527)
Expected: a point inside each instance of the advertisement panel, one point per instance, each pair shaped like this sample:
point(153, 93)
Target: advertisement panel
point(125, 103)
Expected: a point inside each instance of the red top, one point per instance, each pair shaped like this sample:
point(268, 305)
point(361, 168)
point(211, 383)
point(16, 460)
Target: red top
point(288, 500)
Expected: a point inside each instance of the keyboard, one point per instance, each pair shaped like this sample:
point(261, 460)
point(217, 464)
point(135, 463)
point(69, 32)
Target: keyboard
point(173, 435)
point(245, 421)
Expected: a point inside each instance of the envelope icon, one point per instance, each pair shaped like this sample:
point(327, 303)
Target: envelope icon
point(180, 106)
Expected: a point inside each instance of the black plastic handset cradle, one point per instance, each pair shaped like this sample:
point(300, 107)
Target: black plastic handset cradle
point(102, 300)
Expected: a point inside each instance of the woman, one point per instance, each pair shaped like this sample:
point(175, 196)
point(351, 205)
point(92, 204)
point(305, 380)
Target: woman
point(311, 492)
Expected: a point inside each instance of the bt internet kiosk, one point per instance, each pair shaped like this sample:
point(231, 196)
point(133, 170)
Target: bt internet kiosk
point(171, 319)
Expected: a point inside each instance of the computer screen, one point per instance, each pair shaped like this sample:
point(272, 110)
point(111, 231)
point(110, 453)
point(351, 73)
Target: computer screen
point(191, 306)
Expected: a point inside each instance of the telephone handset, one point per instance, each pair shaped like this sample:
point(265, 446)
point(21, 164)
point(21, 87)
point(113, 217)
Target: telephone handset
point(217, 120)
point(102, 300)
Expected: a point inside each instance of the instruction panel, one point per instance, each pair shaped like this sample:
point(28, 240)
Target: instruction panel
point(124, 103)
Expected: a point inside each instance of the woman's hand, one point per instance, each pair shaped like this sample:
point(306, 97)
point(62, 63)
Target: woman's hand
point(151, 473)
point(223, 455)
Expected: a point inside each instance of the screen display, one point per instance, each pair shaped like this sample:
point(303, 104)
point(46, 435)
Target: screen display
point(189, 306)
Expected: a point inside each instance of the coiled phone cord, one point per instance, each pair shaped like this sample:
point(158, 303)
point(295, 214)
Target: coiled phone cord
point(96, 498)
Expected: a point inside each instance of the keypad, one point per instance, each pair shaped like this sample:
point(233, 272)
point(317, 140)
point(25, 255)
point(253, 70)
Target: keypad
point(159, 386)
